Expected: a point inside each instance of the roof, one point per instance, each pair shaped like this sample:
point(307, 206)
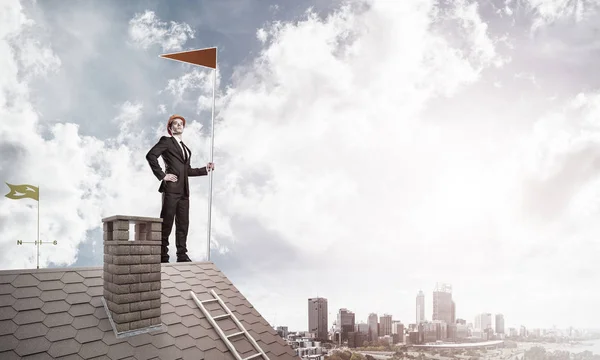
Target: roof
point(58, 314)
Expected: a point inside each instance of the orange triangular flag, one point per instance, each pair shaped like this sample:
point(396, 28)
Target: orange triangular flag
point(203, 57)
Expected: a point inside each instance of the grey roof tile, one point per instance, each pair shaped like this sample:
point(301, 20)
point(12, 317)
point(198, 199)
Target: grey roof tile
point(7, 279)
point(71, 357)
point(9, 355)
point(26, 292)
point(184, 342)
point(51, 285)
point(53, 295)
point(32, 346)
point(81, 309)
point(48, 276)
point(30, 331)
point(216, 354)
point(170, 352)
point(61, 333)
point(145, 352)
point(79, 298)
point(29, 316)
point(93, 349)
point(24, 280)
point(96, 302)
point(7, 313)
point(89, 334)
point(93, 282)
point(95, 291)
point(162, 340)
point(177, 330)
point(140, 340)
point(120, 351)
point(58, 319)
point(192, 353)
point(87, 274)
point(75, 288)
point(71, 277)
point(110, 339)
point(7, 327)
point(8, 342)
point(82, 322)
point(6, 289)
point(189, 320)
point(7, 300)
point(28, 304)
point(64, 348)
point(185, 310)
point(104, 325)
point(38, 356)
point(100, 313)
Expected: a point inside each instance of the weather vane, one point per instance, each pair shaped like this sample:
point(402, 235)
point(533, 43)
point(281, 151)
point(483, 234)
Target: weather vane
point(18, 192)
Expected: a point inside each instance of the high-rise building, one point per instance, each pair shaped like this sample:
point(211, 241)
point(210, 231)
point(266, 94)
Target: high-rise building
point(385, 323)
point(373, 327)
point(499, 324)
point(442, 303)
point(483, 321)
point(345, 322)
point(398, 329)
point(420, 307)
point(317, 318)
point(453, 313)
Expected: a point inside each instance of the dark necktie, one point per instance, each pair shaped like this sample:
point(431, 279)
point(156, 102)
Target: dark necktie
point(184, 152)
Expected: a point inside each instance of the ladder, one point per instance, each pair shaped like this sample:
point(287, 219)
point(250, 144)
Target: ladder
point(228, 315)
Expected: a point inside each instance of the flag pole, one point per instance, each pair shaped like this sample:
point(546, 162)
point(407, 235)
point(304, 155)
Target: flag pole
point(38, 230)
point(212, 145)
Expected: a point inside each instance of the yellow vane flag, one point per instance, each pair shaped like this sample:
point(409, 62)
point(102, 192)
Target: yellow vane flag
point(203, 57)
point(18, 192)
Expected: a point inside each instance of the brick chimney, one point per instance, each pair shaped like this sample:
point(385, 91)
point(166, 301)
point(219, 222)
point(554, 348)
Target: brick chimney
point(132, 274)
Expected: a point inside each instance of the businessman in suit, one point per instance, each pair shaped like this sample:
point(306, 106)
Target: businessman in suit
point(174, 185)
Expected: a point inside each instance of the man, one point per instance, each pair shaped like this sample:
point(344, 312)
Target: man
point(174, 185)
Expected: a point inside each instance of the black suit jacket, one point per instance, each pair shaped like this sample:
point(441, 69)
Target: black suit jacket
point(169, 149)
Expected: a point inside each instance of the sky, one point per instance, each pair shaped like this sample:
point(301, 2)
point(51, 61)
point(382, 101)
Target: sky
point(364, 149)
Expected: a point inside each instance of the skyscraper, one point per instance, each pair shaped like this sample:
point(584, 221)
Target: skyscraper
point(373, 327)
point(345, 322)
point(483, 321)
point(499, 324)
point(442, 303)
point(385, 324)
point(420, 307)
point(317, 317)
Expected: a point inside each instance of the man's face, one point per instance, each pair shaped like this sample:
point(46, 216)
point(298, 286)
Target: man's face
point(177, 127)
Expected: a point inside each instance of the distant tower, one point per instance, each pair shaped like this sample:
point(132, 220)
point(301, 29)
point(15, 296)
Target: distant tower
point(373, 327)
point(317, 317)
point(442, 303)
point(499, 324)
point(420, 307)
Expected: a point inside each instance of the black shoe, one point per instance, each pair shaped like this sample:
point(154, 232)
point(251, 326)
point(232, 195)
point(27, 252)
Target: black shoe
point(184, 259)
point(164, 260)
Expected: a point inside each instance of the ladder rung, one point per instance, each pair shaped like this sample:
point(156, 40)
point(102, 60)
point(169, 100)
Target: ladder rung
point(209, 300)
point(253, 356)
point(220, 316)
point(235, 334)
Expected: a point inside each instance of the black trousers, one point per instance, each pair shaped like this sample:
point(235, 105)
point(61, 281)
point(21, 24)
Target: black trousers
point(175, 207)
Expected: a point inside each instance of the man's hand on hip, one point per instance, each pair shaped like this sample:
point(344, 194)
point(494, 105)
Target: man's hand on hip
point(210, 166)
point(170, 177)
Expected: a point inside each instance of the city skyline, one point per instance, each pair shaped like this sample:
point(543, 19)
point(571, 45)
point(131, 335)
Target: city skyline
point(491, 318)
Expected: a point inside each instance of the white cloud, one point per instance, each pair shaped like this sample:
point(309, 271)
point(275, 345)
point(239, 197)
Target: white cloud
point(146, 30)
point(549, 11)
